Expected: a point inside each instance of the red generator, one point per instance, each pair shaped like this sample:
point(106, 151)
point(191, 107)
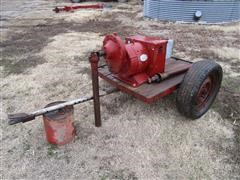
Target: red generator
point(136, 60)
point(144, 67)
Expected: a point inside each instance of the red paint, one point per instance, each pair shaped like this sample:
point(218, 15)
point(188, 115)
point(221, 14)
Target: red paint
point(163, 88)
point(72, 8)
point(59, 127)
point(134, 61)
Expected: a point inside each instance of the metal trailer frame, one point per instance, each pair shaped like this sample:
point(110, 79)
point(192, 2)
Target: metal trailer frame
point(148, 93)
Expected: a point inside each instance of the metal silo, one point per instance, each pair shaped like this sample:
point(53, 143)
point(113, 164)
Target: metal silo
point(201, 11)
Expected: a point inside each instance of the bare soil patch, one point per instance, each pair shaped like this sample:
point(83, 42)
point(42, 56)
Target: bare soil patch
point(45, 60)
point(20, 50)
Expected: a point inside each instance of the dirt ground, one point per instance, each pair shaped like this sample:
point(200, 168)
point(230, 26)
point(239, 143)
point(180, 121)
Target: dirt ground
point(44, 59)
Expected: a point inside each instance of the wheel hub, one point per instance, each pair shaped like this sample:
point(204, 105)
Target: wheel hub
point(204, 92)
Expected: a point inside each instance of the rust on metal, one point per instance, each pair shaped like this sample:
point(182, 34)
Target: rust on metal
point(149, 93)
point(205, 92)
point(172, 69)
point(94, 59)
point(59, 127)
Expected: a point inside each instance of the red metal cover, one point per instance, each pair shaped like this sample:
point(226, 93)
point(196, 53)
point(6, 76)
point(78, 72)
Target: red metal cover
point(135, 61)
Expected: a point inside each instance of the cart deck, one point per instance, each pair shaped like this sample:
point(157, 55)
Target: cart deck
point(149, 93)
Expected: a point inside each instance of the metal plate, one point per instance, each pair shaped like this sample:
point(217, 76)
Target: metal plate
point(148, 93)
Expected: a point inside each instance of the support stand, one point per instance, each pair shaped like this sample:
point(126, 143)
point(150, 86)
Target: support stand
point(94, 59)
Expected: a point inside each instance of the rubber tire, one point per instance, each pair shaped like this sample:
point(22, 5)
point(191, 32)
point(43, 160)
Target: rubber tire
point(76, 1)
point(188, 90)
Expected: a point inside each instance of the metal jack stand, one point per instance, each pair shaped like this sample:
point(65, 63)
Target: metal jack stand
point(94, 59)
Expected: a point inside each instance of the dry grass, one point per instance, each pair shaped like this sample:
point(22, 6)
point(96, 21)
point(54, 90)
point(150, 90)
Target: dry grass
point(44, 59)
point(228, 53)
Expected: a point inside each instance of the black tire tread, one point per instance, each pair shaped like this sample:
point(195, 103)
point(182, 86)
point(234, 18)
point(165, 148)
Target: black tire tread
point(191, 84)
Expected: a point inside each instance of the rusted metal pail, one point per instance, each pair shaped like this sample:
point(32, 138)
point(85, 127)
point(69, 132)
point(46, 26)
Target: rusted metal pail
point(59, 127)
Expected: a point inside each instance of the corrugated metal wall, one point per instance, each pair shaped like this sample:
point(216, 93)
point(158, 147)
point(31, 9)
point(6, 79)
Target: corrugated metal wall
point(179, 10)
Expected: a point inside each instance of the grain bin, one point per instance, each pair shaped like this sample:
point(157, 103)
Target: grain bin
point(189, 11)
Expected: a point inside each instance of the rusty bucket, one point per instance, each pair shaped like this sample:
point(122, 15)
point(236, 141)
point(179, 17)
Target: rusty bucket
point(59, 127)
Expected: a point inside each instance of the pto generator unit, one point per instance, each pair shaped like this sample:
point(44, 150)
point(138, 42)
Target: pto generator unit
point(144, 67)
